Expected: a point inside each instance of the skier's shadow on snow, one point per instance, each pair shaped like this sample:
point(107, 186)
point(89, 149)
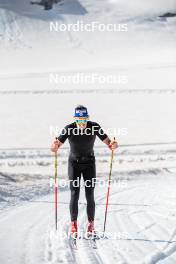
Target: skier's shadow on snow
point(24, 8)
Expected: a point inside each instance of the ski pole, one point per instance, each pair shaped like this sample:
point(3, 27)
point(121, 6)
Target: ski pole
point(55, 188)
point(108, 192)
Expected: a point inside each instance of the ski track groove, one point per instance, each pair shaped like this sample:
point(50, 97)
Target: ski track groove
point(148, 218)
point(95, 254)
point(117, 252)
point(83, 247)
point(127, 226)
point(161, 253)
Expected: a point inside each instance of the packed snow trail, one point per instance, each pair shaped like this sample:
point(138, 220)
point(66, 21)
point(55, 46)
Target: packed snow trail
point(141, 214)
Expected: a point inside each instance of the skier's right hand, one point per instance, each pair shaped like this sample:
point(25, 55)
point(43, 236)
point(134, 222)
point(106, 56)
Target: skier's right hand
point(55, 146)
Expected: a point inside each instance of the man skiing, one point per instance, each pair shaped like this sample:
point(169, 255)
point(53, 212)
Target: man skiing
point(81, 135)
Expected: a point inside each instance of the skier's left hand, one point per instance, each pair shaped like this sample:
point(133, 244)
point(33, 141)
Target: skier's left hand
point(113, 145)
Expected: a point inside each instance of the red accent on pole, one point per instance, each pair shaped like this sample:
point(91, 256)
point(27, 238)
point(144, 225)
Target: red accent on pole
point(107, 198)
point(56, 192)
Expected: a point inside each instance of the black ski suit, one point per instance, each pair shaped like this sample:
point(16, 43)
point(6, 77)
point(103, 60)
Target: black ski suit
point(82, 162)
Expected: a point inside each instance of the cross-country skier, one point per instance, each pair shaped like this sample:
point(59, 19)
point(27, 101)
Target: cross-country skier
point(81, 135)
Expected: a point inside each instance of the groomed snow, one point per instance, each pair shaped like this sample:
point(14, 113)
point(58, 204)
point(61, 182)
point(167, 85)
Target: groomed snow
point(140, 226)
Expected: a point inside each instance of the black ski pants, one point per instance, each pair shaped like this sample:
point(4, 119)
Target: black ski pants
point(77, 167)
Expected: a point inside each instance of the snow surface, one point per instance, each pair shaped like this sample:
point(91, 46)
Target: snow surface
point(142, 211)
point(140, 225)
point(141, 214)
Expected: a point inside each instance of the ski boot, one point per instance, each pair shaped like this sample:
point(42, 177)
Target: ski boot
point(74, 229)
point(91, 230)
point(91, 235)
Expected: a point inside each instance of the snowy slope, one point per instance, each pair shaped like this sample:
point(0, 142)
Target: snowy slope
point(136, 118)
point(144, 56)
point(148, 40)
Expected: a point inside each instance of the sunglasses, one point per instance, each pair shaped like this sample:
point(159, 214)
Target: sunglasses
point(81, 121)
